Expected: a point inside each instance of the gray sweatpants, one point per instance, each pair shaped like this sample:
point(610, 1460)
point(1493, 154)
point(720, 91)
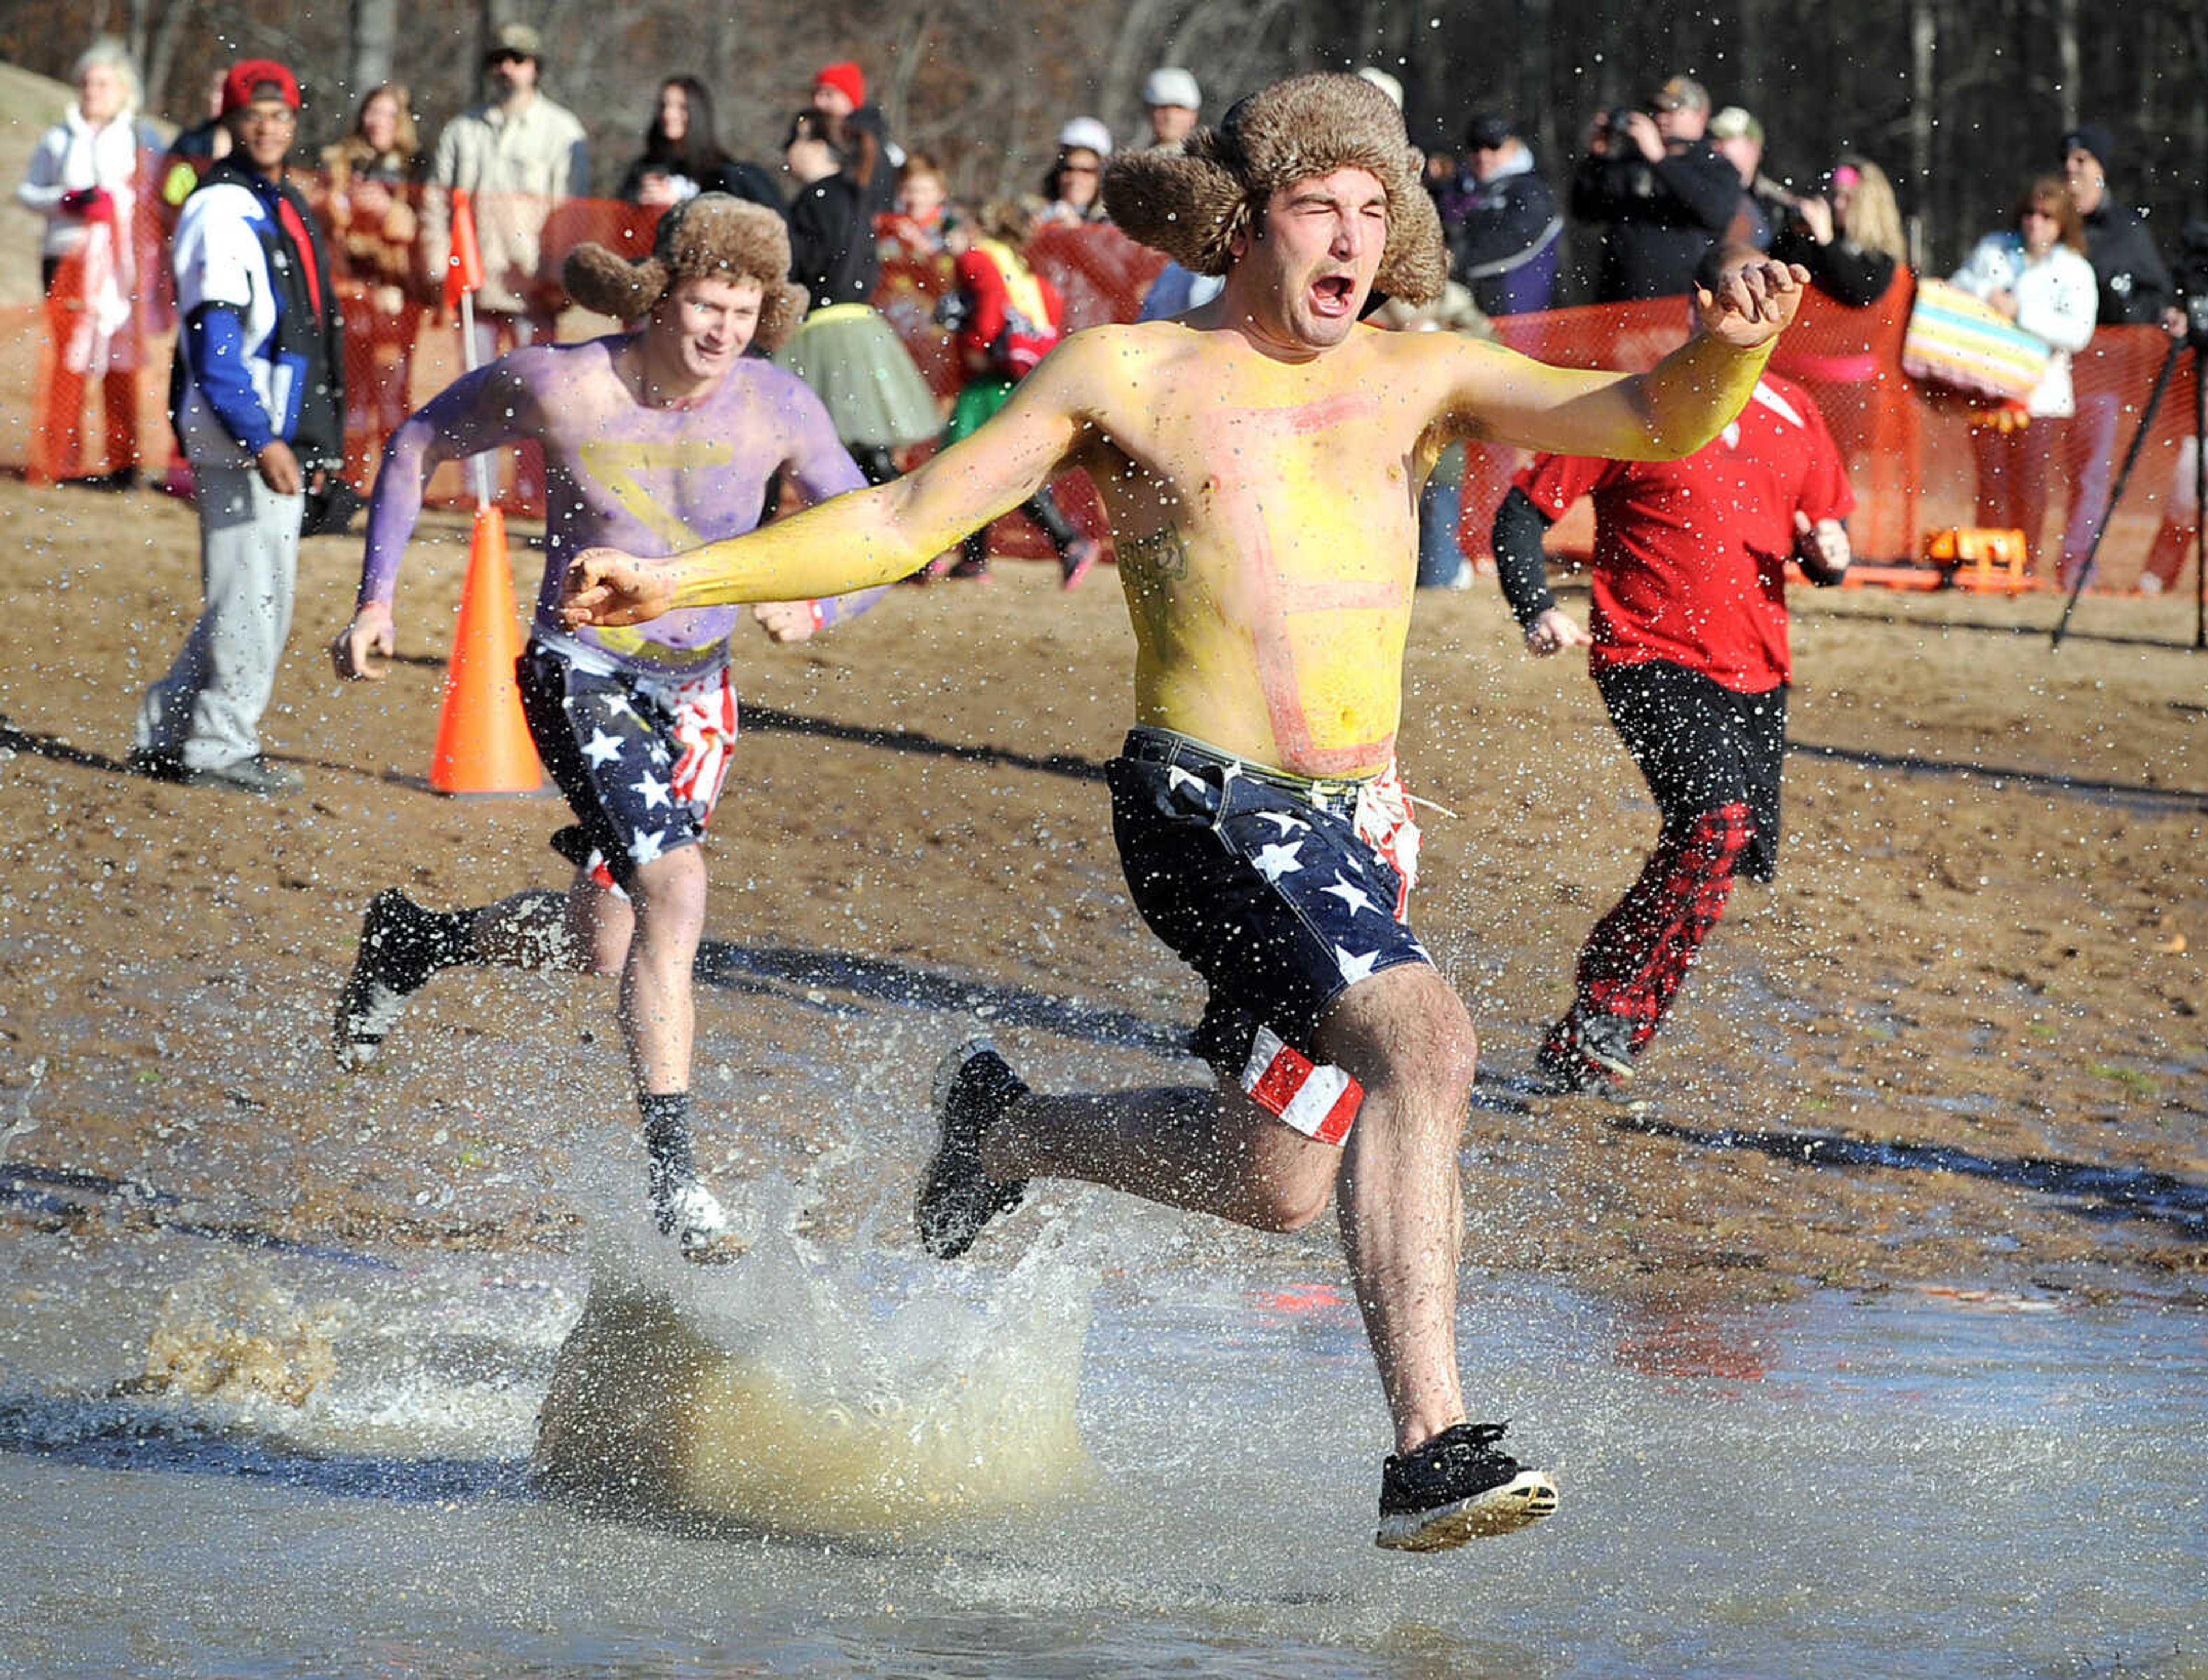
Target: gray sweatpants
point(207, 711)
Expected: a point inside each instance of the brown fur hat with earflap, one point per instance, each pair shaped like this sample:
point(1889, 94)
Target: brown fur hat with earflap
point(1191, 204)
point(712, 235)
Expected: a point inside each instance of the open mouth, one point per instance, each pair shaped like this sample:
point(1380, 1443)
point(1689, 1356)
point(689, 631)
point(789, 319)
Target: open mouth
point(1333, 292)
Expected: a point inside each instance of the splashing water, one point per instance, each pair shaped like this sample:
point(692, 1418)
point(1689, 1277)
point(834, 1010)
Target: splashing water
point(818, 1390)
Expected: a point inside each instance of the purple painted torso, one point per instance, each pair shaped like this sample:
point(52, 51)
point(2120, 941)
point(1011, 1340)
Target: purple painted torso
point(619, 472)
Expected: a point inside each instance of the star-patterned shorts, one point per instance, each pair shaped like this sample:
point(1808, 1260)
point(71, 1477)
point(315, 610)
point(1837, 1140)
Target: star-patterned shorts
point(1281, 892)
point(641, 761)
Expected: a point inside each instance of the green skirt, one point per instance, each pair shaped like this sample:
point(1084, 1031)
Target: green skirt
point(976, 406)
point(859, 368)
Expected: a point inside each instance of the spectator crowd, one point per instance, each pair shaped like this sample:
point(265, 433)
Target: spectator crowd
point(1654, 187)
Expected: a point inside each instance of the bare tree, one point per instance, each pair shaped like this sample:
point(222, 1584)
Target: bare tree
point(374, 28)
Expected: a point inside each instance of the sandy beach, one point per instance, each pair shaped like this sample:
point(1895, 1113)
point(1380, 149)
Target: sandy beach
point(1959, 1042)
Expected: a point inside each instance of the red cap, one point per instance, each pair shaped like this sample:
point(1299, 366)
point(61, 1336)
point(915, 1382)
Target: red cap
point(847, 78)
point(251, 79)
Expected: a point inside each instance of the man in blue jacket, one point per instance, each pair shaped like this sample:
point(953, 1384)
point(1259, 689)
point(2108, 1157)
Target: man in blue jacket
point(1503, 237)
point(257, 399)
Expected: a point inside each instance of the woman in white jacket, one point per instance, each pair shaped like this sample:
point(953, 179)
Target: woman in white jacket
point(2038, 277)
point(83, 178)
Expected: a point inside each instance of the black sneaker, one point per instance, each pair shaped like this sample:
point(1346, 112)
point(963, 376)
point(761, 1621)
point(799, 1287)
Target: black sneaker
point(155, 766)
point(973, 1087)
point(1591, 1053)
point(396, 958)
point(121, 478)
point(255, 775)
point(1459, 1486)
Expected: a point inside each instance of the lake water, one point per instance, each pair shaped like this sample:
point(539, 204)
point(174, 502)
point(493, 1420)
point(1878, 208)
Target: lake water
point(331, 1473)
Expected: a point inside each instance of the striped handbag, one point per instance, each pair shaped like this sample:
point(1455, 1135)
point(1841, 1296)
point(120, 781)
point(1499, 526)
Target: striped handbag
point(1959, 342)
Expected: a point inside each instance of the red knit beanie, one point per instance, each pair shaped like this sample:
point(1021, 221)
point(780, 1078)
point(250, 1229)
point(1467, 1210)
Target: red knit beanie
point(847, 78)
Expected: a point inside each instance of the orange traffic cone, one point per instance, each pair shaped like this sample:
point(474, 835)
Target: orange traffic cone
point(483, 741)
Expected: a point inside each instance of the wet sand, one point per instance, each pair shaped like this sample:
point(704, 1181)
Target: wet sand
point(1960, 1041)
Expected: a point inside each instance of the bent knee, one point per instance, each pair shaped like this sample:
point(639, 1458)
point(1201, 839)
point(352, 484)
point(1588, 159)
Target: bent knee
point(1454, 1059)
point(1287, 1211)
point(1295, 1194)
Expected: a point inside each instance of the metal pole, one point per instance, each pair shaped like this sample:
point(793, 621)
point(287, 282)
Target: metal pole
point(2116, 492)
point(2199, 496)
point(478, 465)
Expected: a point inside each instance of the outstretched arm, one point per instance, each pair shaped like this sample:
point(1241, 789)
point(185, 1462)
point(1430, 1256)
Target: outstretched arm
point(477, 411)
point(868, 537)
point(1670, 410)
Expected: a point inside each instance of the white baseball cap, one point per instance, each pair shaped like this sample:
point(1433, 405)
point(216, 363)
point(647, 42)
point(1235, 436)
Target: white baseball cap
point(1085, 134)
point(1173, 86)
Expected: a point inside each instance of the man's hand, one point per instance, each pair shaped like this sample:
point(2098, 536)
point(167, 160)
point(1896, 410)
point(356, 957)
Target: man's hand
point(787, 621)
point(606, 586)
point(280, 467)
point(1821, 549)
point(1553, 632)
point(1753, 304)
point(1817, 216)
point(363, 644)
point(1641, 130)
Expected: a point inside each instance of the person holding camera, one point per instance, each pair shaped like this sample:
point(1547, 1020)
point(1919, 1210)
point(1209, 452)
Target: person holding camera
point(1662, 192)
point(1849, 236)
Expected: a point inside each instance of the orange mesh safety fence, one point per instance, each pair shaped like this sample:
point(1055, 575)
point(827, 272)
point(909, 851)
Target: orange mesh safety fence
point(1908, 449)
point(1908, 453)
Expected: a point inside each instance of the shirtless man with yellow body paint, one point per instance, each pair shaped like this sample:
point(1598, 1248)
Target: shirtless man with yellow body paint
point(1261, 461)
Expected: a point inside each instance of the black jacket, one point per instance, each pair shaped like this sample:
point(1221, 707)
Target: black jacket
point(832, 253)
point(1505, 244)
point(2135, 287)
point(1661, 217)
point(1843, 270)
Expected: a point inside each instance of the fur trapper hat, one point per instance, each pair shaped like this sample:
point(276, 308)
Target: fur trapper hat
point(712, 235)
point(1191, 204)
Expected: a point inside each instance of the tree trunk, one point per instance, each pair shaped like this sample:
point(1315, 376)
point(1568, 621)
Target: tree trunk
point(1924, 111)
point(372, 32)
point(2065, 60)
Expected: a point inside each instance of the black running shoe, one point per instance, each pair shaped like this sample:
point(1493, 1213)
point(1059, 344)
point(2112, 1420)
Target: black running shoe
point(973, 1087)
point(1591, 1054)
point(396, 957)
point(1459, 1486)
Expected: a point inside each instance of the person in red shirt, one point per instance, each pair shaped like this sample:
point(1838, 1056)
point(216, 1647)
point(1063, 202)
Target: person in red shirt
point(1687, 644)
point(1004, 319)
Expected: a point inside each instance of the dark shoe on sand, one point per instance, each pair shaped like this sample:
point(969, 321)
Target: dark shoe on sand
point(155, 766)
point(393, 964)
point(973, 1087)
point(1459, 1486)
point(1591, 1053)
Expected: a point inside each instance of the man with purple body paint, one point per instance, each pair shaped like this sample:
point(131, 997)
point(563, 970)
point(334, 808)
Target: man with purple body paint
point(659, 440)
